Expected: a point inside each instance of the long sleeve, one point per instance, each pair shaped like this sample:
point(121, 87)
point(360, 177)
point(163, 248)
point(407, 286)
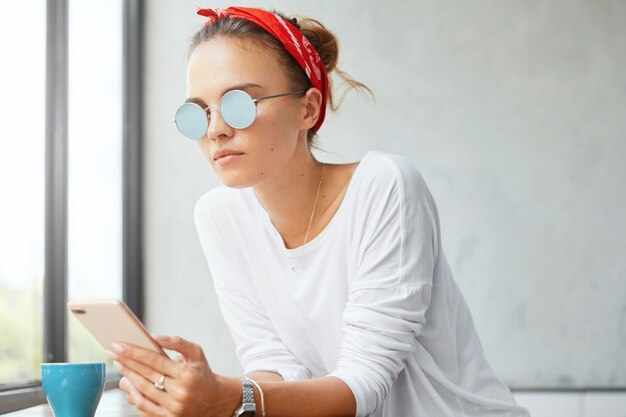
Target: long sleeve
point(258, 347)
point(389, 297)
point(375, 303)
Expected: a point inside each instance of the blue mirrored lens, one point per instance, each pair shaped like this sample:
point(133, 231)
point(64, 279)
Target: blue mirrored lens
point(191, 121)
point(237, 109)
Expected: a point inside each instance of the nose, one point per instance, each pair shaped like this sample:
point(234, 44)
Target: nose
point(218, 128)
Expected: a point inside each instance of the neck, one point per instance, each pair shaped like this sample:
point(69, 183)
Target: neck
point(290, 197)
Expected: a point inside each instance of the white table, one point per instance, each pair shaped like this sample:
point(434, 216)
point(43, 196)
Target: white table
point(112, 403)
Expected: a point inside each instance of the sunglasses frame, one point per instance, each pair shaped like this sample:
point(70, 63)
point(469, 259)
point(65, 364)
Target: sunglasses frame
point(219, 107)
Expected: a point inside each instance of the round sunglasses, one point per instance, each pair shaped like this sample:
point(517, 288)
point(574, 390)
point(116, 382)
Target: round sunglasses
point(237, 108)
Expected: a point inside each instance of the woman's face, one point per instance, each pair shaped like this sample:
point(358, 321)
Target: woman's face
point(271, 142)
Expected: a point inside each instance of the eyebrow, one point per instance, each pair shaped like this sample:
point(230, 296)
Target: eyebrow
point(234, 87)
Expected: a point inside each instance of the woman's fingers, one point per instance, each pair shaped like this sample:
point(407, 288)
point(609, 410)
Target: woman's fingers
point(184, 376)
point(123, 384)
point(190, 351)
point(143, 404)
point(163, 365)
point(144, 387)
point(138, 367)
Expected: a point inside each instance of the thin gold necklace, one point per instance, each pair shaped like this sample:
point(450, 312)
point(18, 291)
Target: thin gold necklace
point(294, 267)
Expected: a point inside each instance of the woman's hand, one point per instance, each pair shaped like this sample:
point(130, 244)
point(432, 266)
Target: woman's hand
point(191, 388)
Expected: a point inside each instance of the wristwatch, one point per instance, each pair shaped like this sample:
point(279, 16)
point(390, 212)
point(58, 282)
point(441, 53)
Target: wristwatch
point(247, 407)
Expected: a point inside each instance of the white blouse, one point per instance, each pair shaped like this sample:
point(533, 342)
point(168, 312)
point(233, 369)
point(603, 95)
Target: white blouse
point(371, 300)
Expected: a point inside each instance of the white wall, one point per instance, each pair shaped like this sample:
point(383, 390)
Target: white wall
point(514, 113)
point(566, 404)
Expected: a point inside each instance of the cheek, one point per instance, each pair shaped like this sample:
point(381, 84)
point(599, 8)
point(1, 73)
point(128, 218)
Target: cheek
point(279, 147)
point(280, 133)
point(280, 117)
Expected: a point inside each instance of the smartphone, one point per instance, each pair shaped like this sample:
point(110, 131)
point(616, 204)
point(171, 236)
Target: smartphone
point(112, 321)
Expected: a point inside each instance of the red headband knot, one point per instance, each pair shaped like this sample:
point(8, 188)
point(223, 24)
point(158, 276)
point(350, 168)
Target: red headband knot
point(292, 39)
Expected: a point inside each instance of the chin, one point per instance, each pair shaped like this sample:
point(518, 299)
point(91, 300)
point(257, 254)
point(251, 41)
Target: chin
point(235, 185)
point(232, 180)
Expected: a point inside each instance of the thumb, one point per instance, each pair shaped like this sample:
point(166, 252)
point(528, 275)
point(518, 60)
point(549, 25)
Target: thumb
point(190, 351)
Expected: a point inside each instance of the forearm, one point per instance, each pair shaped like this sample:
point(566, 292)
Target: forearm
point(328, 397)
point(319, 397)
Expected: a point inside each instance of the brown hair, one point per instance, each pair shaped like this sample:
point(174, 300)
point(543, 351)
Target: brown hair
point(324, 42)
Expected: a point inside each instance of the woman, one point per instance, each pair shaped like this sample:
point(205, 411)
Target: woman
point(331, 277)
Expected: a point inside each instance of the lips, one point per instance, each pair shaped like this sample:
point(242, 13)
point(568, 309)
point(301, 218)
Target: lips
point(225, 152)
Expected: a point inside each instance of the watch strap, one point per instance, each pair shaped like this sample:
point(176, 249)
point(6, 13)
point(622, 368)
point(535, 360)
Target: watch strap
point(248, 406)
point(248, 390)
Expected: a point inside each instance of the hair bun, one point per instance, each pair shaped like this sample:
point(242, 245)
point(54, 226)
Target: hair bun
point(327, 46)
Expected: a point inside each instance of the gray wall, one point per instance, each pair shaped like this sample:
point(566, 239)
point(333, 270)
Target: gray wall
point(514, 113)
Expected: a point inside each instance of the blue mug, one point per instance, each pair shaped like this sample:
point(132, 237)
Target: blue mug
point(73, 389)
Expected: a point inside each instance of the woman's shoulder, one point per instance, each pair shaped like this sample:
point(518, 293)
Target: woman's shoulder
point(213, 197)
point(218, 201)
point(383, 169)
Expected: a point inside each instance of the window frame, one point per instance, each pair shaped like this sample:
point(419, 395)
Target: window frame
point(23, 394)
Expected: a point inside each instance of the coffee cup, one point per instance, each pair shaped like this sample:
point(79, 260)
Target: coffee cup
point(73, 389)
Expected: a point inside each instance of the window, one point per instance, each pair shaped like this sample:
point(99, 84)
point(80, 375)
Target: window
point(94, 163)
point(22, 182)
point(69, 178)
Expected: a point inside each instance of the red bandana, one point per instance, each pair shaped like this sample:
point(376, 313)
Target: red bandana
point(292, 39)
